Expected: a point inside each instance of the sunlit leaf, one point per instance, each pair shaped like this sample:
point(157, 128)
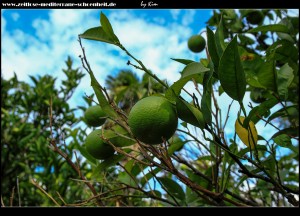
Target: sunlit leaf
point(190, 71)
point(97, 34)
point(107, 28)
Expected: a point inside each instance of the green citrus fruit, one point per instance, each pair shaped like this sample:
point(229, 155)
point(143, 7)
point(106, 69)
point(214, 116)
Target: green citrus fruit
point(153, 119)
point(190, 114)
point(96, 147)
point(94, 116)
point(255, 17)
point(196, 43)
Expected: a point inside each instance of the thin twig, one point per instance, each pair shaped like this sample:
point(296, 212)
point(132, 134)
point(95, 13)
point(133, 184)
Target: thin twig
point(41, 189)
point(11, 199)
point(60, 197)
point(2, 203)
point(18, 188)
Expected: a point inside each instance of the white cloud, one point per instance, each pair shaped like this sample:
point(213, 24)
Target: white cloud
point(56, 38)
point(293, 12)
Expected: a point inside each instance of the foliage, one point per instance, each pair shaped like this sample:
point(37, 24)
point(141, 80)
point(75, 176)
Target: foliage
point(25, 134)
point(235, 64)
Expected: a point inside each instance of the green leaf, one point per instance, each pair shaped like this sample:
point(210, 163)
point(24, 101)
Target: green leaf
point(118, 136)
point(101, 98)
point(125, 178)
point(267, 75)
point(229, 14)
point(212, 48)
point(97, 34)
point(287, 22)
point(260, 110)
point(111, 161)
point(183, 61)
point(192, 70)
point(172, 187)
point(246, 150)
point(206, 97)
point(252, 79)
point(219, 38)
point(292, 131)
point(231, 72)
point(190, 114)
point(85, 154)
point(244, 177)
point(177, 145)
point(284, 112)
point(284, 140)
point(251, 63)
point(27, 138)
point(220, 90)
point(270, 163)
point(245, 40)
point(196, 178)
point(285, 77)
point(272, 28)
point(154, 193)
point(285, 52)
point(107, 28)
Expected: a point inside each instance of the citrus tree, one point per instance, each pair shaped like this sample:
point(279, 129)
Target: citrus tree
point(246, 51)
point(36, 124)
point(153, 143)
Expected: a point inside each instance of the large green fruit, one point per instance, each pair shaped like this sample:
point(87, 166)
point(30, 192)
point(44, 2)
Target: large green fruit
point(94, 116)
point(255, 17)
point(196, 43)
point(153, 119)
point(190, 114)
point(96, 147)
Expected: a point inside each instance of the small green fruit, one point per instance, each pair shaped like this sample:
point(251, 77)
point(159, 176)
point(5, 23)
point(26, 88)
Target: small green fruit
point(196, 43)
point(96, 147)
point(94, 116)
point(153, 119)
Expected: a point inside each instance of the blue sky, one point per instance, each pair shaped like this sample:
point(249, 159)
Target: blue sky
point(38, 42)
